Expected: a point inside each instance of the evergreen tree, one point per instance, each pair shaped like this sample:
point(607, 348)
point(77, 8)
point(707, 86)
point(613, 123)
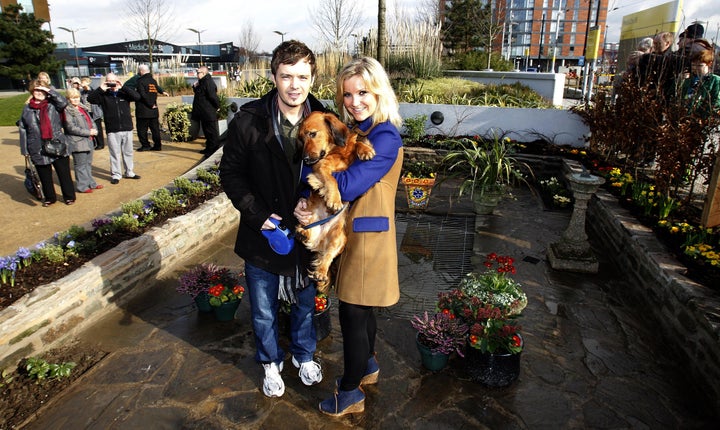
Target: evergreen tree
point(25, 48)
point(461, 27)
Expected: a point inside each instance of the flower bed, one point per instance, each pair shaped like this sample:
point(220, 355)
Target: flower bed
point(51, 260)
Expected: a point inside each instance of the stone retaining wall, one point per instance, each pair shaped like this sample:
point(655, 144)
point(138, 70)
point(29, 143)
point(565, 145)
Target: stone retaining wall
point(59, 310)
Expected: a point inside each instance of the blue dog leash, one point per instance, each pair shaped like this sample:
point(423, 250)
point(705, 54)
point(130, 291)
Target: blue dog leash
point(324, 220)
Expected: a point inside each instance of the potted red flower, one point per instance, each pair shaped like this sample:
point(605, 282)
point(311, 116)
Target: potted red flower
point(490, 303)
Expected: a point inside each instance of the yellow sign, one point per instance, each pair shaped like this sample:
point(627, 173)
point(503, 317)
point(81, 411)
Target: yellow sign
point(593, 43)
point(652, 21)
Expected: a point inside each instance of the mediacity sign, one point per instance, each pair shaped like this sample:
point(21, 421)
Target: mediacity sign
point(647, 23)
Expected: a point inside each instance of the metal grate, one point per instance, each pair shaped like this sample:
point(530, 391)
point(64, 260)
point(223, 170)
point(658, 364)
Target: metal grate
point(433, 254)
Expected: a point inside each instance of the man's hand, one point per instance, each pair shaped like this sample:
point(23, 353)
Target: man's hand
point(301, 212)
point(268, 225)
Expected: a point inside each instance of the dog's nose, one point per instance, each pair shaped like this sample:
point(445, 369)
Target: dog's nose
point(310, 161)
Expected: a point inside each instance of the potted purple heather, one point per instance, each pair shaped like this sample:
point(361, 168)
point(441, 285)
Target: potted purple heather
point(438, 336)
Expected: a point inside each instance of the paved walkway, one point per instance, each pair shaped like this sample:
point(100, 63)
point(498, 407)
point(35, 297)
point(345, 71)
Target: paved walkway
point(31, 223)
point(590, 361)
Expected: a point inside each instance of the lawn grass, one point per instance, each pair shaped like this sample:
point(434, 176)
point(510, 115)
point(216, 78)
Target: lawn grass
point(11, 109)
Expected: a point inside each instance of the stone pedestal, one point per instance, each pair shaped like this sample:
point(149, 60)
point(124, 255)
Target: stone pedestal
point(572, 252)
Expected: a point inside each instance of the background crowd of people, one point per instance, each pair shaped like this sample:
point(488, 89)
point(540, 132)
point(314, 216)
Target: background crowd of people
point(87, 119)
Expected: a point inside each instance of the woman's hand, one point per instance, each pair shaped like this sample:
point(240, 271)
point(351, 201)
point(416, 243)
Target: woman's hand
point(301, 212)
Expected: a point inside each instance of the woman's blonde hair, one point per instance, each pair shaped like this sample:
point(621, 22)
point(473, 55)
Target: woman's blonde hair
point(376, 82)
point(72, 92)
point(44, 78)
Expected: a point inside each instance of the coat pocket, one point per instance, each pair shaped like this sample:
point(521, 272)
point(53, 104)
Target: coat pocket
point(371, 224)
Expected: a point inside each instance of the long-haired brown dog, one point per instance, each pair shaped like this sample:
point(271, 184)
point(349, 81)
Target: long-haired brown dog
point(328, 146)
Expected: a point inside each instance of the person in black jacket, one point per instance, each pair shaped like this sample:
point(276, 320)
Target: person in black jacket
point(115, 101)
point(147, 114)
point(204, 109)
point(41, 120)
point(260, 173)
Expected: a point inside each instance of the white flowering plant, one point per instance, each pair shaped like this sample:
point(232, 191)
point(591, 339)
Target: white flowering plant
point(489, 304)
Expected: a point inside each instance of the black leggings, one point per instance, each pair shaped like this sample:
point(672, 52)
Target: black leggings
point(358, 327)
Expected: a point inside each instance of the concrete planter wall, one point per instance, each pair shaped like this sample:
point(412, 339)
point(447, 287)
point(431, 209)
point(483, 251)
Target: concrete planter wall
point(56, 311)
point(550, 86)
point(558, 126)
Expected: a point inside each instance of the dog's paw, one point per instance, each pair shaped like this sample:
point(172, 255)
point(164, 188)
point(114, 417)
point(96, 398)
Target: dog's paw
point(319, 278)
point(322, 286)
point(314, 181)
point(334, 205)
point(366, 154)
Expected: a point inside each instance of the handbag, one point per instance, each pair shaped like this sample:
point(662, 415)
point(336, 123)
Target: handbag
point(54, 148)
point(32, 180)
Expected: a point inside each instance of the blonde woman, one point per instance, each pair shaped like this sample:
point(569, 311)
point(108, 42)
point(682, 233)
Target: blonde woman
point(80, 130)
point(367, 274)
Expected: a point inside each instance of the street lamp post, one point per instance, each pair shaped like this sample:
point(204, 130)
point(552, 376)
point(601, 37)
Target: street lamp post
point(199, 42)
point(557, 35)
point(282, 35)
point(72, 31)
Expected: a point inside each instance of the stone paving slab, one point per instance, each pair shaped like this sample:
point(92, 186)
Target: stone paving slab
point(590, 360)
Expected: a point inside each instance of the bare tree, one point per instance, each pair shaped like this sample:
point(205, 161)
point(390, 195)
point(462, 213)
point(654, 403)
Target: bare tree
point(150, 20)
point(428, 11)
point(336, 20)
point(248, 40)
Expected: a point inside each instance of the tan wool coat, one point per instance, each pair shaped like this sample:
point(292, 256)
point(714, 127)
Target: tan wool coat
point(368, 270)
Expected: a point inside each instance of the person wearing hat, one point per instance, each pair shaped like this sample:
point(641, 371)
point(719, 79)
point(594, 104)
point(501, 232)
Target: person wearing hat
point(40, 121)
point(690, 41)
point(694, 31)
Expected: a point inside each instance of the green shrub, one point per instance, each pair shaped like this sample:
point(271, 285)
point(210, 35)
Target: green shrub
point(135, 207)
point(126, 222)
point(255, 88)
point(190, 188)
point(476, 60)
point(177, 120)
point(415, 126)
point(52, 253)
point(209, 177)
point(164, 201)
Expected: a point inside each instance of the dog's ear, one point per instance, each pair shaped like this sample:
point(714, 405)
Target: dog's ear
point(339, 130)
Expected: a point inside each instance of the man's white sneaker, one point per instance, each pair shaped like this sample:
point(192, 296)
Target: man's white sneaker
point(310, 371)
point(273, 385)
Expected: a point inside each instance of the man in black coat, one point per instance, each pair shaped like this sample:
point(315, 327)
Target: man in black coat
point(260, 173)
point(147, 114)
point(204, 109)
point(115, 101)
